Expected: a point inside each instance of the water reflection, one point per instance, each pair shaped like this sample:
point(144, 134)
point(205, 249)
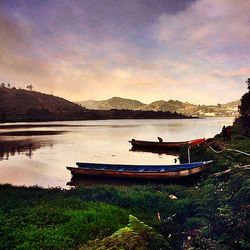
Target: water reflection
point(32, 125)
point(101, 181)
point(12, 147)
point(31, 133)
point(155, 151)
point(93, 181)
point(24, 141)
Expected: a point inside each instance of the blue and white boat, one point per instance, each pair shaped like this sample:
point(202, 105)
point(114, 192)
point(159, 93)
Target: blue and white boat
point(151, 172)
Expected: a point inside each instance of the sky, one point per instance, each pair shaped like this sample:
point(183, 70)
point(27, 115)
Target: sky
point(188, 50)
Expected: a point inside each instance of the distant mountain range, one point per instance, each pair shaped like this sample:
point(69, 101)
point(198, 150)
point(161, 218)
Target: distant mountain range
point(228, 109)
point(25, 105)
point(19, 105)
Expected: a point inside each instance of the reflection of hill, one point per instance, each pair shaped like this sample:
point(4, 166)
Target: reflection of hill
point(31, 133)
point(11, 147)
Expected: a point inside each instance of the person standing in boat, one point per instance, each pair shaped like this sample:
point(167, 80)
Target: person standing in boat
point(160, 139)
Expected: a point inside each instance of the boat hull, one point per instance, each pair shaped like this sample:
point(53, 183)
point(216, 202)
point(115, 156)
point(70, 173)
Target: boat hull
point(141, 174)
point(164, 145)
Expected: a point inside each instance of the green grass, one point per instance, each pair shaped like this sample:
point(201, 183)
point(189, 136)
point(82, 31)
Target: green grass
point(38, 220)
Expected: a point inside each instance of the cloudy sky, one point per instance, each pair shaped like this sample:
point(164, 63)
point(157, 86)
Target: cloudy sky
point(191, 50)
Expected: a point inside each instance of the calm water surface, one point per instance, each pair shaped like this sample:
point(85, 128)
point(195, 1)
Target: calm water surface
point(38, 153)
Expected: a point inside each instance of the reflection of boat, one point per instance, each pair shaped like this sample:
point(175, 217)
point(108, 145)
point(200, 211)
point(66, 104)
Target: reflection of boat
point(172, 152)
point(89, 181)
point(139, 171)
point(164, 145)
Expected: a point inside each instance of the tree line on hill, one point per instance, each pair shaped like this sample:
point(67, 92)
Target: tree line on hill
point(3, 85)
point(18, 105)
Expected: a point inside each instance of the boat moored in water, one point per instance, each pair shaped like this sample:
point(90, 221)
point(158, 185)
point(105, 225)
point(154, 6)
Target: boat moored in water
point(149, 172)
point(165, 145)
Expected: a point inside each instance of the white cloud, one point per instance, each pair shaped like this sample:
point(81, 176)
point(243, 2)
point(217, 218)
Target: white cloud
point(212, 29)
point(204, 47)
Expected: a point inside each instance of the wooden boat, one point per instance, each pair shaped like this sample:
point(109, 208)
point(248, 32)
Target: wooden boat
point(164, 145)
point(139, 171)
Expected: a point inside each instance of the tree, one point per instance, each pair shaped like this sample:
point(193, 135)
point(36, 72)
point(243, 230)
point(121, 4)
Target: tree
point(245, 101)
point(243, 122)
point(30, 87)
point(8, 85)
point(248, 83)
point(2, 85)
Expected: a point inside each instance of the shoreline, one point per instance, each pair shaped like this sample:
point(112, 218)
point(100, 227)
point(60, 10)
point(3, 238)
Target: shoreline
point(94, 119)
point(104, 119)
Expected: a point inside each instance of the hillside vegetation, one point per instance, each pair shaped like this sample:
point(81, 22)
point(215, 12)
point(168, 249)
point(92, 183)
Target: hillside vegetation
point(26, 105)
point(229, 109)
point(20, 103)
point(113, 103)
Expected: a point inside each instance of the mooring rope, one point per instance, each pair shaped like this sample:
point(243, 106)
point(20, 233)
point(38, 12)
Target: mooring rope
point(238, 151)
point(229, 149)
point(245, 167)
point(217, 152)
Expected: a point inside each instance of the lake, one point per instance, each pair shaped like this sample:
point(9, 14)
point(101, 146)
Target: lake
point(38, 153)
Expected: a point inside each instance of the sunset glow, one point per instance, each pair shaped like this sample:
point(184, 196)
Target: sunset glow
point(195, 51)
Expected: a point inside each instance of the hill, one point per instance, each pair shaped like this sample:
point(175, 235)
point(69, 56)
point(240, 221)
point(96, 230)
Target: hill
point(185, 108)
point(171, 105)
point(234, 104)
point(24, 104)
point(19, 105)
point(113, 103)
